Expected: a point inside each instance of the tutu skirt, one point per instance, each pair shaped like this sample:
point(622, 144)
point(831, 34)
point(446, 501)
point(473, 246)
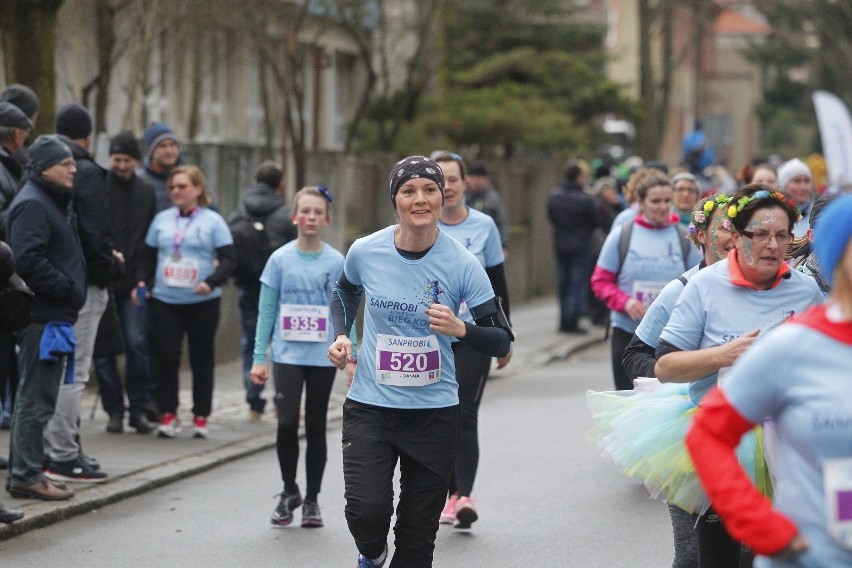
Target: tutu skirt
point(644, 433)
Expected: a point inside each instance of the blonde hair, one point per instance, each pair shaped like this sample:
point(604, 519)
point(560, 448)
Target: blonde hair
point(195, 178)
point(315, 191)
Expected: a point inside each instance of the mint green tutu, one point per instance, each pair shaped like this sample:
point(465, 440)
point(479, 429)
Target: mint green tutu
point(644, 433)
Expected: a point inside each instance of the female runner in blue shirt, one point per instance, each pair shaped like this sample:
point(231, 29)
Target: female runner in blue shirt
point(478, 233)
point(293, 313)
point(403, 403)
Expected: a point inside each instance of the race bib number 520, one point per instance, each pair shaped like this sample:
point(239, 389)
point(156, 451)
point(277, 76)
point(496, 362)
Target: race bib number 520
point(407, 361)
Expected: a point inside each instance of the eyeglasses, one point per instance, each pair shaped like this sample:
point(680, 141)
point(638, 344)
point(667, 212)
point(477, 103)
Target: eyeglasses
point(762, 237)
point(67, 163)
point(686, 189)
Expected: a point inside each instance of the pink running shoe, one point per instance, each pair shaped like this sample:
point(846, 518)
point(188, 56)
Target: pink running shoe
point(465, 513)
point(448, 515)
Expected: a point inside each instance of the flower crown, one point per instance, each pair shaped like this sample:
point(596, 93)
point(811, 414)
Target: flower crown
point(742, 202)
point(701, 218)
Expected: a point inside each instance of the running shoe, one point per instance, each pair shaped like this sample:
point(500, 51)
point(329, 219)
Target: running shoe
point(465, 513)
point(169, 426)
point(283, 513)
point(311, 516)
point(73, 470)
point(199, 427)
point(364, 562)
point(448, 515)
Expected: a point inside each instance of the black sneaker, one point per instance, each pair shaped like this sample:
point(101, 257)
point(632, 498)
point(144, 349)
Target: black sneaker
point(283, 513)
point(141, 424)
point(311, 516)
point(74, 470)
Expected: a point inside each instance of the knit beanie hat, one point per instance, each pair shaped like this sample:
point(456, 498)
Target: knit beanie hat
point(47, 151)
point(125, 143)
point(22, 97)
point(832, 235)
point(156, 133)
point(414, 167)
point(74, 121)
point(13, 117)
point(790, 169)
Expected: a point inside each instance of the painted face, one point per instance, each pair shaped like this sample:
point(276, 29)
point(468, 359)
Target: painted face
point(454, 184)
point(657, 204)
point(685, 195)
point(799, 189)
point(418, 203)
point(311, 214)
point(765, 176)
point(718, 240)
point(760, 261)
point(184, 193)
point(165, 155)
point(123, 165)
point(61, 174)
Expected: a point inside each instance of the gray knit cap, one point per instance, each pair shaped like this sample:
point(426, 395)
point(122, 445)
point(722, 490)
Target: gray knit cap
point(47, 151)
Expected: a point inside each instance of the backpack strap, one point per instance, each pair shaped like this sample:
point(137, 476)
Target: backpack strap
point(624, 243)
point(682, 279)
point(684, 245)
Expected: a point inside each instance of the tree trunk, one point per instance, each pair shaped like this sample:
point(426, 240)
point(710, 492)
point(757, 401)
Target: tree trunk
point(29, 43)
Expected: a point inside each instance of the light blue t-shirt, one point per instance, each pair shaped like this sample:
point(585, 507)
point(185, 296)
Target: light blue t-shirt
point(712, 310)
point(181, 268)
point(303, 329)
point(477, 233)
point(654, 258)
point(397, 291)
point(797, 376)
point(658, 314)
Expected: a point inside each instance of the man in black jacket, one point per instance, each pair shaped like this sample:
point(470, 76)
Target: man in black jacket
point(574, 216)
point(132, 206)
point(65, 461)
point(260, 226)
point(43, 236)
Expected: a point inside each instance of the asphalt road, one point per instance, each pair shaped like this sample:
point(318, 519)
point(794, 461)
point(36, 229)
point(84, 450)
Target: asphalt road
point(546, 499)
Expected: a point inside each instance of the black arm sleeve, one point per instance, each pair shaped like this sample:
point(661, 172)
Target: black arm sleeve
point(639, 359)
point(345, 299)
point(664, 348)
point(227, 257)
point(497, 276)
point(148, 265)
point(488, 336)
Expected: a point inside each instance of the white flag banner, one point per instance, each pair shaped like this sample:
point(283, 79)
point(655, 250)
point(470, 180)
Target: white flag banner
point(835, 130)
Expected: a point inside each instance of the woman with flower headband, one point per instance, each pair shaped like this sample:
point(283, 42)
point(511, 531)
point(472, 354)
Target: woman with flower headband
point(719, 314)
point(293, 311)
point(402, 406)
point(628, 276)
point(795, 376)
point(710, 230)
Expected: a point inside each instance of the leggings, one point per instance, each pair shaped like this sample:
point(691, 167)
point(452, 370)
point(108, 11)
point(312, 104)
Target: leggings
point(471, 373)
point(289, 380)
point(716, 548)
point(618, 343)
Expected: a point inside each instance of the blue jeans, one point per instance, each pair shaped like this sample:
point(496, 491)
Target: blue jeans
point(134, 326)
point(573, 272)
point(36, 400)
point(247, 299)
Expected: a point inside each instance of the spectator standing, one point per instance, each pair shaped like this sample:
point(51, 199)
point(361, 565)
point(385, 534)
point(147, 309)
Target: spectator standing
point(795, 178)
point(25, 99)
point(132, 207)
point(43, 236)
point(259, 227)
point(66, 461)
point(163, 155)
point(480, 195)
point(14, 129)
point(574, 217)
point(698, 154)
point(190, 255)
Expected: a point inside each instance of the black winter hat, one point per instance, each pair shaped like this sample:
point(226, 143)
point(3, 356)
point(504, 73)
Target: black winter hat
point(74, 121)
point(22, 97)
point(125, 143)
point(46, 152)
point(13, 117)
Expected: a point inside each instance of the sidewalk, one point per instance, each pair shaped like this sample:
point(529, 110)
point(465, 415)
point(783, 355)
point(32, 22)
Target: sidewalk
point(138, 463)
